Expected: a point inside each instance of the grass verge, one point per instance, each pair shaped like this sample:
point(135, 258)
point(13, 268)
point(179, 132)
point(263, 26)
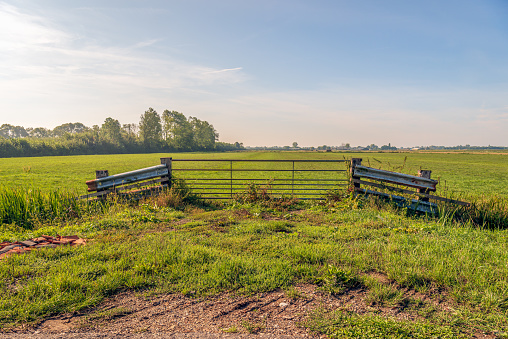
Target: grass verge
point(249, 248)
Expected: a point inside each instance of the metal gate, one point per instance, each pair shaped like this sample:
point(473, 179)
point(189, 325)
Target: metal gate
point(223, 178)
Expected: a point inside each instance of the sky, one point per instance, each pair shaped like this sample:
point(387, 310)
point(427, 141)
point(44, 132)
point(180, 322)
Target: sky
point(264, 73)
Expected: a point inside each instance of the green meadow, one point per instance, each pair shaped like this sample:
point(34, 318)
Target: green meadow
point(439, 276)
point(473, 173)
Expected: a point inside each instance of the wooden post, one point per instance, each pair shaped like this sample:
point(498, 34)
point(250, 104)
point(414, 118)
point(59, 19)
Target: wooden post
point(169, 164)
point(101, 174)
point(424, 174)
point(354, 162)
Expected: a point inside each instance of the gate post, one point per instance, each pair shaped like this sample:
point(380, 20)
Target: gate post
point(101, 174)
point(354, 162)
point(424, 174)
point(169, 164)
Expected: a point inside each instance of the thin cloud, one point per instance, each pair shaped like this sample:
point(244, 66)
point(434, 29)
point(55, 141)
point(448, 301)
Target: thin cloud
point(494, 114)
point(147, 43)
point(224, 70)
point(38, 60)
point(20, 30)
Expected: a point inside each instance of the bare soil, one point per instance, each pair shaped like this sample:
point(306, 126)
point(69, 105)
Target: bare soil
point(277, 314)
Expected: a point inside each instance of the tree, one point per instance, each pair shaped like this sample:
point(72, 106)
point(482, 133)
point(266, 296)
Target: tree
point(70, 128)
point(130, 135)
point(150, 129)
point(10, 131)
point(388, 147)
point(204, 135)
point(177, 130)
point(130, 129)
point(40, 132)
point(111, 131)
point(295, 144)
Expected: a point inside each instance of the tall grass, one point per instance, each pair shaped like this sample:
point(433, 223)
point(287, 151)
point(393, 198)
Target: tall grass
point(486, 212)
point(489, 212)
point(27, 207)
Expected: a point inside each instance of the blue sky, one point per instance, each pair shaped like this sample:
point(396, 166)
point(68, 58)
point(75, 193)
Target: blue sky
point(264, 72)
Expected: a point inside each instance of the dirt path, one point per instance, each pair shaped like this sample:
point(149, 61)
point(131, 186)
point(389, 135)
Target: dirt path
point(278, 314)
point(127, 315)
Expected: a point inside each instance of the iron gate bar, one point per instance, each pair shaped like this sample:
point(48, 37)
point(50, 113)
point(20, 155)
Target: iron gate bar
point(319, 194)
point(265, 179)
point(263, 160)
point(227, 193)
point(278, 189)
point(231, 182)
point(252, 170)
point(293, 180)
point(226, 183)
point(304, 188)
point(227, 198)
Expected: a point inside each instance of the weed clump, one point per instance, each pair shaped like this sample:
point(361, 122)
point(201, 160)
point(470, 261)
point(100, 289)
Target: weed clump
point(347, 324)
point(257, 194)
point(178, 196)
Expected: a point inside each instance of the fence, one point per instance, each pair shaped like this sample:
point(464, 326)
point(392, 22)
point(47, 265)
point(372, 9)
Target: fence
point(389, 182)
point(138, 183)
point(223, 178)
point(303, 179)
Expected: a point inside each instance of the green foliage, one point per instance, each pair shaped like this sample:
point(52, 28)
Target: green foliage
point(177, 130)
point(178, 196)
point(204, 135)
point(342, 324)
point(252, 246)
point(29, 207)
point(150, 129)
point(148, 246)
point(486, 212)
point(10, 131)
point(261, 195)
point(253, 327)
point(69, 128)
point(111, 131)
point(176, 133)
point(337, 280)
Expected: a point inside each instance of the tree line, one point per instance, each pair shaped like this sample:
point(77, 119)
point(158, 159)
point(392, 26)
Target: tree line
point(169, 132)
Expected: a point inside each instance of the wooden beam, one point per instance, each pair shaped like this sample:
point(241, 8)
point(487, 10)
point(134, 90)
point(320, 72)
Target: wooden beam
point(395, 178)
point(401, 190)
point(420, 206)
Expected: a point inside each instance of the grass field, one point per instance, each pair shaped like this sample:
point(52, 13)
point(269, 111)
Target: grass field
point(417, 276)
point(427, 267)
point(472, 173)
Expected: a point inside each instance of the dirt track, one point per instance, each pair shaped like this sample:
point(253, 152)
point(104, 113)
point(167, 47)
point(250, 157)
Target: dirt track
point(276, 314)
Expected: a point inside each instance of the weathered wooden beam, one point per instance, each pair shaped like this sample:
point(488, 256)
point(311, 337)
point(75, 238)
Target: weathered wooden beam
point(401, 190)
point(417, 205)
point(394, 178)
